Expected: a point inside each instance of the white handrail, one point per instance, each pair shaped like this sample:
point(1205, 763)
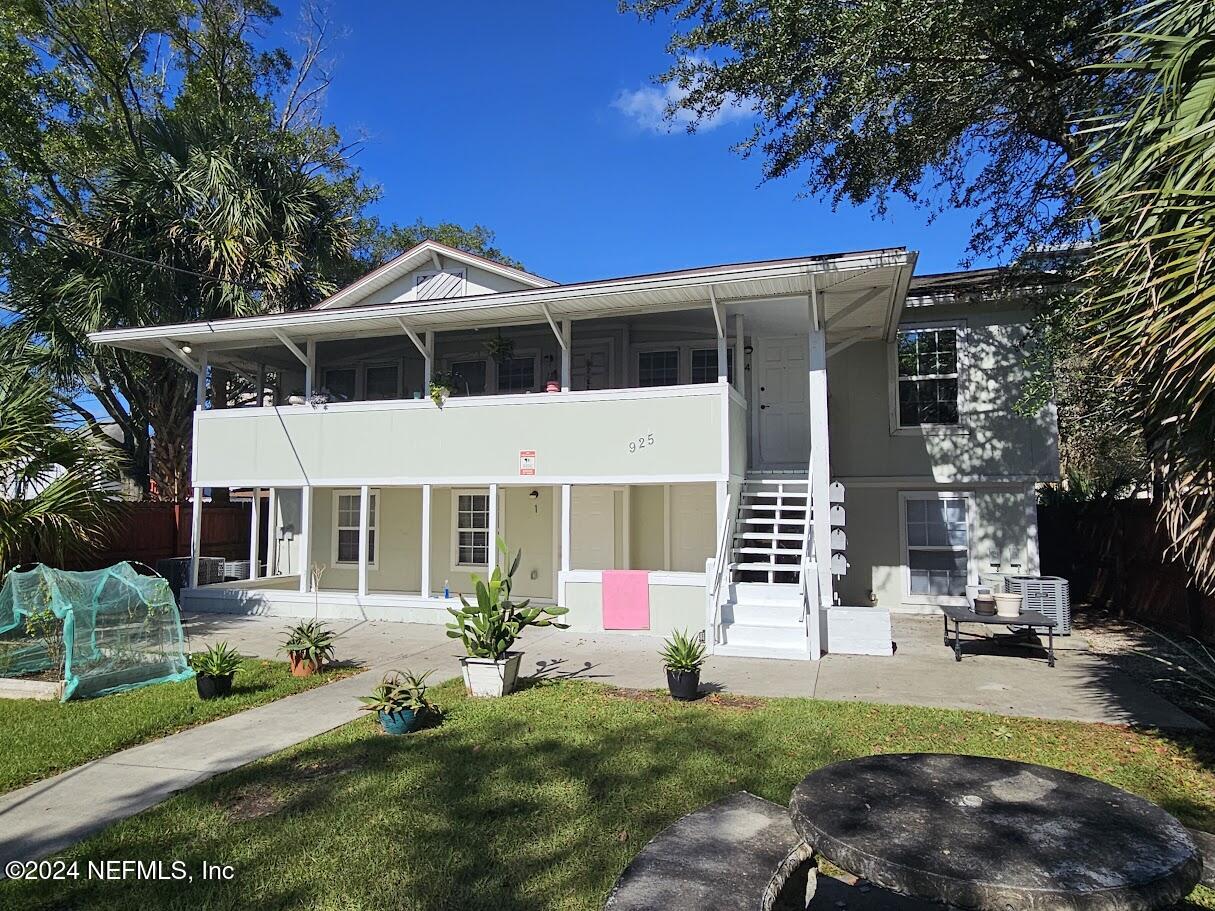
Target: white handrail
point(719, 568)
point(807, 539)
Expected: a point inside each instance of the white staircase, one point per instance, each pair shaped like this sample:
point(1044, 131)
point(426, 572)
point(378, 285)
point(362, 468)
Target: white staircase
point(761, 608)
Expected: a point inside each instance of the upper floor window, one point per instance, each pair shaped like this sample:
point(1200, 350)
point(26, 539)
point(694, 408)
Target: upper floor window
point(468, 377)
point(658, 368)
point(517, 374)
point(340, 383)
point(704, 365)
point(382, 382)
point(928, 376)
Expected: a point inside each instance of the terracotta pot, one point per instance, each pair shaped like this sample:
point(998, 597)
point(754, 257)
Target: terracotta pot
point(302, 666)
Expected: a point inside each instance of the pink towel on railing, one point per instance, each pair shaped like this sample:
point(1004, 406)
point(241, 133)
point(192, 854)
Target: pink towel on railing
point(626, 599)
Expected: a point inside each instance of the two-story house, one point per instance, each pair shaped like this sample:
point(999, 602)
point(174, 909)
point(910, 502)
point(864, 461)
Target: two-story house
point(779, 453)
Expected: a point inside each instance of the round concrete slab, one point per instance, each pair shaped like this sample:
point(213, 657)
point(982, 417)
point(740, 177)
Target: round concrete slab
point(987, 833)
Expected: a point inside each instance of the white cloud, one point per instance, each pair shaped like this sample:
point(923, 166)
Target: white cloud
point(647, 108)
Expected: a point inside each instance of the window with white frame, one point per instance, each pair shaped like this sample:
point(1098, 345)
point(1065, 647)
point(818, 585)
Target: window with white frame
point(928, 361)
point(517, 374)
point(937, 539)
point(382, 381)
point(704, 365)
point(346, 509)
point(472, 528)
point(658, 368)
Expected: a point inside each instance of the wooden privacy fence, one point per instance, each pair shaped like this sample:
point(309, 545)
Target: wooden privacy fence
point(148, 532)
point(1115, 556)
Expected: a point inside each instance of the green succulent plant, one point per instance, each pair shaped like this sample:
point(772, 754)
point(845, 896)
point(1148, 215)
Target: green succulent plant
point(490, 627)
point(219, 660)
point(681, 653)
point(399, 691)
point(311, 639)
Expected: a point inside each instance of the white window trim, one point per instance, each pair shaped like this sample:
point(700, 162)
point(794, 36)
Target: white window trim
point(904, 551)
point(372, 526)
point(685, 349)
point(961, 428)
point(456, 492)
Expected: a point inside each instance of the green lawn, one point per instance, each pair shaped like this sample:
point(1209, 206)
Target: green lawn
point(539, 800)
point(40, 738)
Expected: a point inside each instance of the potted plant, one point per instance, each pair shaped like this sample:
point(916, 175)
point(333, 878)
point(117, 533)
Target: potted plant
point(441, 385)
point(399, 701)
point(500, 348)
point(309, 645)
point(682, 656)
point(489, 628)
point(214, 670)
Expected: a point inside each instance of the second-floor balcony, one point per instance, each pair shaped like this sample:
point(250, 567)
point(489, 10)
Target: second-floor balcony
point(676, 433)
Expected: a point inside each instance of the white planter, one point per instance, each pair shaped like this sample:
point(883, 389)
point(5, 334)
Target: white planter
point(486, 677)
point(1008, 605)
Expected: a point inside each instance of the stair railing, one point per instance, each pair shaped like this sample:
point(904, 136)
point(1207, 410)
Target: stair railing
point(807, 542)
point(720, 567)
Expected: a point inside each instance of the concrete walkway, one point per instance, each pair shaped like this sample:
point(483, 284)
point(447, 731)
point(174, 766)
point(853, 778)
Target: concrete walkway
point(50, 815)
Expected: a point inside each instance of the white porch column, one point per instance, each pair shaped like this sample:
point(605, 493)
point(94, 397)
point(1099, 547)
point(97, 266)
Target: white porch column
point(566, 526)
point(426, 489)
point(493, 528)
point(723, 367)
point(195, 535)
point(272, 533)
point(566, 353)
point(261, 385)
point(305, 542)
point(1033, 564)
point(364, 535)
point(740, 354)
point(310, 370)
point(255, 534)
point(428, 370)
point(820, 462)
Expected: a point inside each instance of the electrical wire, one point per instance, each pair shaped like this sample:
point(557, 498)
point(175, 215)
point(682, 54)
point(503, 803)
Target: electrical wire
point(97, 248)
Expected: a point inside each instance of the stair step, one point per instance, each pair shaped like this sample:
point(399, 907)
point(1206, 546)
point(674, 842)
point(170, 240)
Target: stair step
point(780, 639)
point(742, 651)
point(778, 593)
point(783, 616)
point(769, 567)
point(768, 536)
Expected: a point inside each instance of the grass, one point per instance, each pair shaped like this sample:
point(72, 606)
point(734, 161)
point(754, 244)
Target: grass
point(538, 801)
point(38, 738)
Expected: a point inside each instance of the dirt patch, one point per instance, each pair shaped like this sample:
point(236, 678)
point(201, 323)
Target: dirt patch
point(718, 700)
point(250, 802)
point(316, 769)
point(1157, 660)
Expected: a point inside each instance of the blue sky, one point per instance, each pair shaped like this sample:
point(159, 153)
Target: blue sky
point(538, 120)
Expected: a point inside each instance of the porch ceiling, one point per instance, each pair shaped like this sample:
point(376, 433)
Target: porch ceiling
point(858, 293)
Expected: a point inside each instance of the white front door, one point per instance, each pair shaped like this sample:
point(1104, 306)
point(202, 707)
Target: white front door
point(783, 398)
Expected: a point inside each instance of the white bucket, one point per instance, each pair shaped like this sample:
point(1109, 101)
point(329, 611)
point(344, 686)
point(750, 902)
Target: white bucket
point(1008, 605)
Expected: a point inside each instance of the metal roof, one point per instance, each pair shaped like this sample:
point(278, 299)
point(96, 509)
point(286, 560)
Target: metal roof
point(859, 292)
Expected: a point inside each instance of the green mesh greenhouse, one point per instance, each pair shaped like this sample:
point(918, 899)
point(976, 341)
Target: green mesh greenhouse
point(101, 632)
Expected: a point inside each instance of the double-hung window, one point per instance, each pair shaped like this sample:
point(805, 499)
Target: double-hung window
point(472, 528)
point(346, 508)
point(704, 365)
point(936, 528)
point(658, 368)
point(929, 374)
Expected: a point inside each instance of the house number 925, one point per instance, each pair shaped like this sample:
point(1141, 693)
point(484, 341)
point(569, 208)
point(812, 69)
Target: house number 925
point(641, 442)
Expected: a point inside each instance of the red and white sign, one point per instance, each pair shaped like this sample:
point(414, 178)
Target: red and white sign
point(527, 461)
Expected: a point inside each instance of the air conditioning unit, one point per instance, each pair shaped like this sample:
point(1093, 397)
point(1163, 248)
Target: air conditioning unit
point(1049, 595)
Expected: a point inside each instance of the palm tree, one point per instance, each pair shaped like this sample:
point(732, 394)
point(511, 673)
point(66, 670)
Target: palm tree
point(58, 486)
point(1150, 300)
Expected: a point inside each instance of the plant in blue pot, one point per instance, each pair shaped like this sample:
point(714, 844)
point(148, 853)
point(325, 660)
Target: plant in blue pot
point(399, 701)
